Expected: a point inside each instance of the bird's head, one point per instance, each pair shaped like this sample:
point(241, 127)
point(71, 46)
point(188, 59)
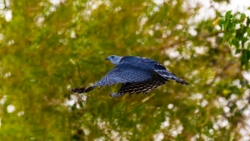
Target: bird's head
point(114, 59)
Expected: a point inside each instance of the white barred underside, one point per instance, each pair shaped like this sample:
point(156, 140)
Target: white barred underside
point(140, 87)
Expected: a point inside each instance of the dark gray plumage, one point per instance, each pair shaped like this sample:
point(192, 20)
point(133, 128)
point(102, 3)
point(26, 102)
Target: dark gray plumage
point(137, 75)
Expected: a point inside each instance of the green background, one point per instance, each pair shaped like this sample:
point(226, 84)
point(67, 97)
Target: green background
point(45, 49)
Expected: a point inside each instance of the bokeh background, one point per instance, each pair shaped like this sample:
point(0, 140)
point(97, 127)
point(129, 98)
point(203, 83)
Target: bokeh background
point(50, 46)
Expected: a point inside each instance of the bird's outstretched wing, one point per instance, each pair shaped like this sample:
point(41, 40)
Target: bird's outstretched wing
point(125, 73)
point(122, 73)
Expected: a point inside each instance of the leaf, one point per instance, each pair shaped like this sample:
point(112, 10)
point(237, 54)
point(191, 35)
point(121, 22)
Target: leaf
point(243, 41)
point(228, 15)
point(237, 51)
point(245, 58)
point(221, 23)
point(235, 42)
point(232, 26)
point(242, 17)
point(248, 21)
point(248, 31)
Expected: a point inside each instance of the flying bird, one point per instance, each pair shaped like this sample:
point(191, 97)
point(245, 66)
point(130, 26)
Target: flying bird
point(136, 74)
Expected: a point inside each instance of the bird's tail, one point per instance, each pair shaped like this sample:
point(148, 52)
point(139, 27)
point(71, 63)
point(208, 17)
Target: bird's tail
point(168, 75)
point(82, 90)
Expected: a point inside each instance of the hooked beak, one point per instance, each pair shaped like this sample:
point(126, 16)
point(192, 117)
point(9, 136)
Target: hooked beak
point(107, 58)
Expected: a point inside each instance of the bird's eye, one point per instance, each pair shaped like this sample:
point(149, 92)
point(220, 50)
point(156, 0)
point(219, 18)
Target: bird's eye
point(112, 56)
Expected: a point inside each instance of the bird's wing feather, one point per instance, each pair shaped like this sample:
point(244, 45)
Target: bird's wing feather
point(140, 87)
point(161, 70)
point(125, 73)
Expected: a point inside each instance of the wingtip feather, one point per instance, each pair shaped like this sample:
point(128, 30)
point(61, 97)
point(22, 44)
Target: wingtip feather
point(82, 90)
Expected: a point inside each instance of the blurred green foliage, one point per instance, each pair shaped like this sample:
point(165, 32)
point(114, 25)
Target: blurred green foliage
point(46, 48)
point(237, 32)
